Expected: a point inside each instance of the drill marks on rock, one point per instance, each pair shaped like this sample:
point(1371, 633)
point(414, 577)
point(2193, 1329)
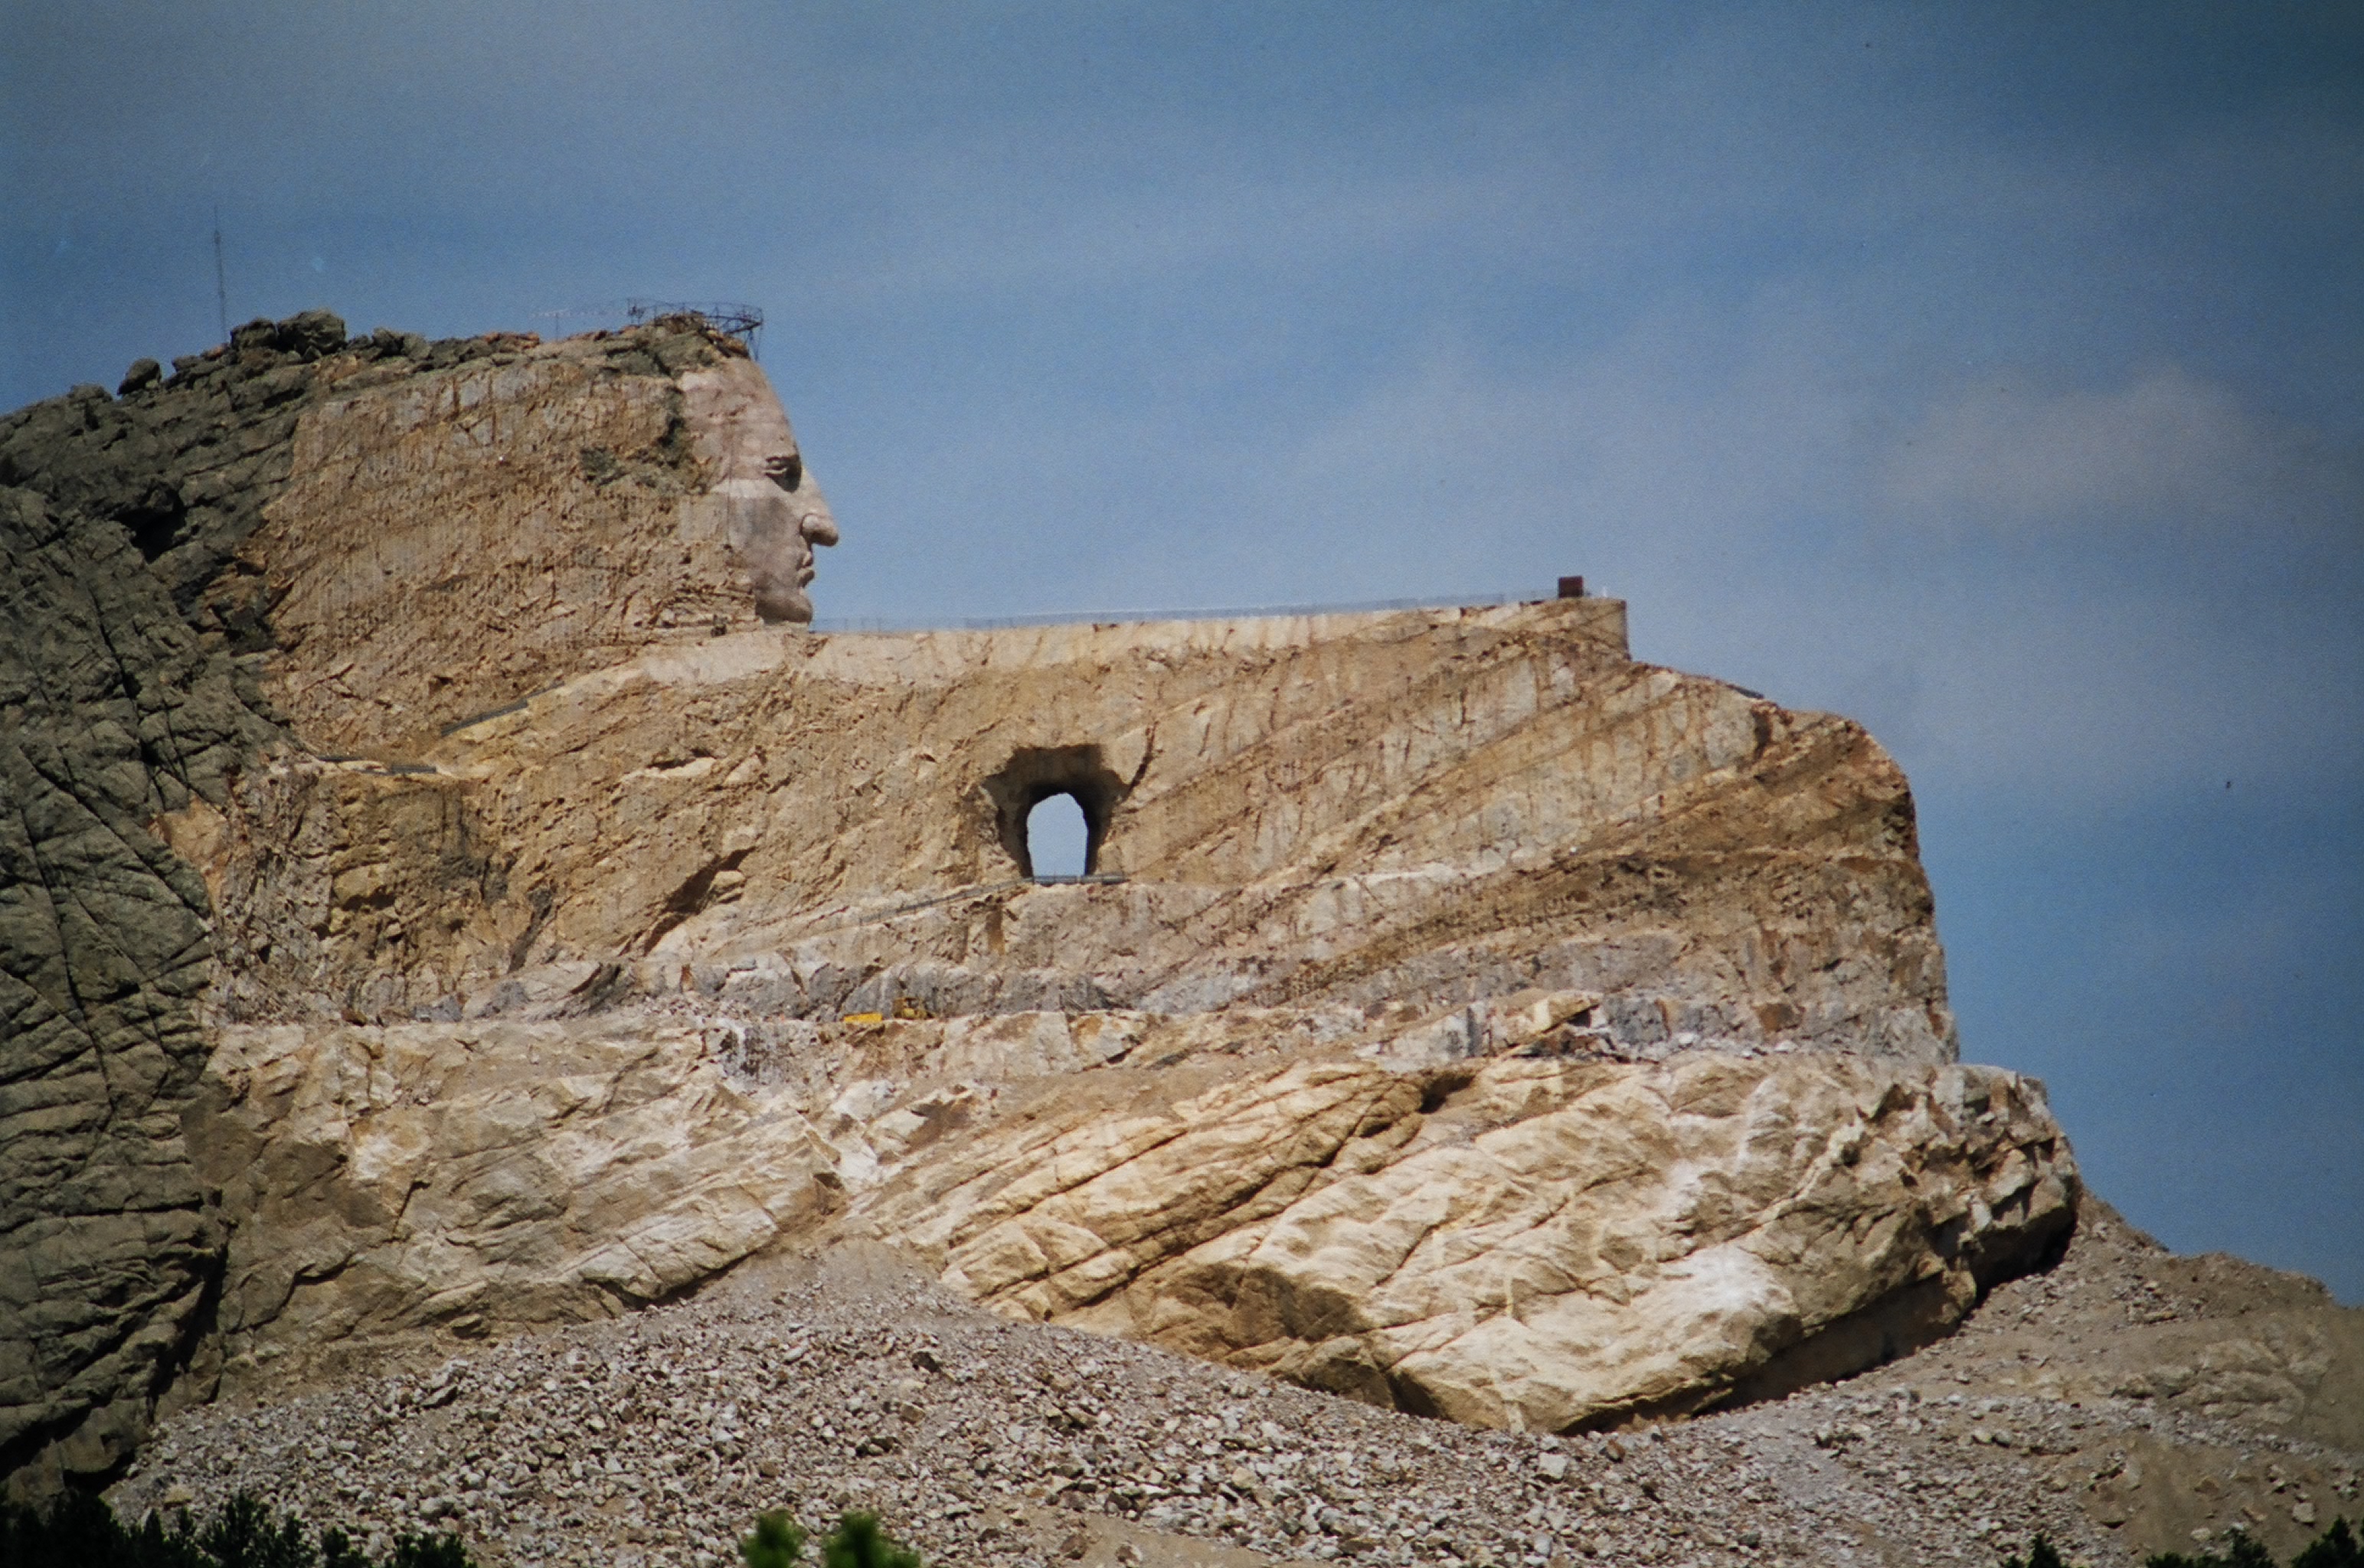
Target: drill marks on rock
point(476, 506)
point(358, 892)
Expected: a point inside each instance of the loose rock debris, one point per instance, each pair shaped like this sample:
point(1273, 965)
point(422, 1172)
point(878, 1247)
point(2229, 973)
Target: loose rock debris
point(843, 1381)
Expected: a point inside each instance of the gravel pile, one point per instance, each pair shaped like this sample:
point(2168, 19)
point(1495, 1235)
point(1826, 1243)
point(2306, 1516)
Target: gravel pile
point(656, 1439)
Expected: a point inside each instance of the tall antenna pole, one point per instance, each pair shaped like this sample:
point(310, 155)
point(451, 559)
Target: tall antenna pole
point(221, 283)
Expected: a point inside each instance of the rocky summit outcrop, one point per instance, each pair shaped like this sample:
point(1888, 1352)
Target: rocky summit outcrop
point(451, 895)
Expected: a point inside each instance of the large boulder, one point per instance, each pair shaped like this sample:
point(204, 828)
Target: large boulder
point(1536, 1243)
point(1526, 1238)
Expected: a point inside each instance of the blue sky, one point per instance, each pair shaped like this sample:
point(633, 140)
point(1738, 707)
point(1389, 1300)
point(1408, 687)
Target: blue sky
point(1993, 374)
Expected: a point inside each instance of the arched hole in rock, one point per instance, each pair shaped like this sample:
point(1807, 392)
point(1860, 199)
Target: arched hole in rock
point(1058, 837)
point(1038, 775)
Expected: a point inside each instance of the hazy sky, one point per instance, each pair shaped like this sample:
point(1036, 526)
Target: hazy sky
point(1994, 374)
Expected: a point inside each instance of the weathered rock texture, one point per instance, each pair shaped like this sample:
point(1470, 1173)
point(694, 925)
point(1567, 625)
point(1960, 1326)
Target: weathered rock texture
point(1532, 1237)
point(1460, 1015)
point(111, 712)
point(1550, 1245)
point(389, 1181)
point(133, 615)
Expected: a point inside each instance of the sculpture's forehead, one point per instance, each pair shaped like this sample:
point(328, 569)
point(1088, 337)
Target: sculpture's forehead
point(735, 415)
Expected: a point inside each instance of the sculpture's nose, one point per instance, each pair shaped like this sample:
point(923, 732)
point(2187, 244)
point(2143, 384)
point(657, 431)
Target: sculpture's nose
point(816, 522)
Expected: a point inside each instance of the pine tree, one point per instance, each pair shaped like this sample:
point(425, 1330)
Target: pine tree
point(2243, 1551)
point(858, 1543)
point(778, 1542)
point(2335, 1548)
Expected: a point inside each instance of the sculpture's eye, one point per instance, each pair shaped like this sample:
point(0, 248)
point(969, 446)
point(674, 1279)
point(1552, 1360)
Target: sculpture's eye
point(787, 471)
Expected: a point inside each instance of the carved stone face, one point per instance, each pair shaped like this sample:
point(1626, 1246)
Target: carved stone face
point(776, 513)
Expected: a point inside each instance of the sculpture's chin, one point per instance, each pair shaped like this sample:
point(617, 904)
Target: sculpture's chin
point(783, 603)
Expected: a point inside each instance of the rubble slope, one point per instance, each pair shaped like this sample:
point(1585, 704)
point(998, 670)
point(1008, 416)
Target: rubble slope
point(845, 1380)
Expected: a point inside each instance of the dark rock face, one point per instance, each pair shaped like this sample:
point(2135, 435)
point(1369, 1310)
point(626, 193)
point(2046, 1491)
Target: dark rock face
point(121, 699)
point(183, 466)
point(112, 712)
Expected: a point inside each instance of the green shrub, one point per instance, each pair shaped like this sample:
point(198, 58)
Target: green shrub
point(778, 1542)
point(2241, 1552)
point(858, 1541)
point(79, 1530)
point(2335, 1548)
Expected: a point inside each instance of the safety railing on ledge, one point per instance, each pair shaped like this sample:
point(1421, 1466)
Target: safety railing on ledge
point(1122, 618)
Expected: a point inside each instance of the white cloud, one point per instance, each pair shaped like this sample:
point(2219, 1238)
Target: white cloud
point(2167, 446)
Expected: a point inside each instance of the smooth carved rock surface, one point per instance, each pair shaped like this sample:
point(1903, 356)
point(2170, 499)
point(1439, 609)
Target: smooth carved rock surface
point(774, 514)
point(1413, 808)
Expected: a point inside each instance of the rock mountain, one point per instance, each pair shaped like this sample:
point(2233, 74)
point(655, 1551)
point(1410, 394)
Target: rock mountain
point(446, 892)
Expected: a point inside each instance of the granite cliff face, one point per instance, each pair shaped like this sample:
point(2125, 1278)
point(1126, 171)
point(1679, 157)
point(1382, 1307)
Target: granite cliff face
point(450, 896)
point(122, 698)
point(115, 712)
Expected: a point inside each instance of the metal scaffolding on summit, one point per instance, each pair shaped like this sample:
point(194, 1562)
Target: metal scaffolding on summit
point(744, 322)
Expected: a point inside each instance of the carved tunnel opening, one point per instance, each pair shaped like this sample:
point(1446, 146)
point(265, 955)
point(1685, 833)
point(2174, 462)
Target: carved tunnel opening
point(1037, 776)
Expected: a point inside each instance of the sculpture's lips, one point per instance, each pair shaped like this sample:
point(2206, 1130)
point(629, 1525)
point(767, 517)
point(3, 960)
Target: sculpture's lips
point(794, 606)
